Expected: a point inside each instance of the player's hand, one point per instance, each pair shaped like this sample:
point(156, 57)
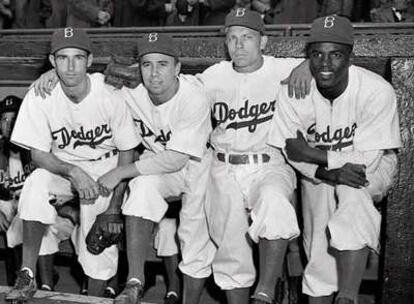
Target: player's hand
point(297, 148)
point(4, 223)
point(352, 175)
point(110, 180)
point(299, 81)
point(87, 188)
point(45, 84)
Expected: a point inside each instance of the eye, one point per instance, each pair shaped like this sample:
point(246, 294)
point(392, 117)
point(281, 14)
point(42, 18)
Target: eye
point(316, 55)
point(337, 55)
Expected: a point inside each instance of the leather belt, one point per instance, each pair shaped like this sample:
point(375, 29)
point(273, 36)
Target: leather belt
point(107, 155)
point(243, 159)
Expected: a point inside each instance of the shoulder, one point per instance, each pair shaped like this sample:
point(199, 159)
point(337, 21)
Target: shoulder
point(191, 94)
point(370, 82)
point(220, 67)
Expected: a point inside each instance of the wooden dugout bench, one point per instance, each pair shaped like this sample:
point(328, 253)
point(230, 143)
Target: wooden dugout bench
point(387, 49)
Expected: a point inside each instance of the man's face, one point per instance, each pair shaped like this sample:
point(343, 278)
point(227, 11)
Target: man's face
point(7, 121)
point(159, 74)
point(71, 65)
point(329, 63)
point(245, 48)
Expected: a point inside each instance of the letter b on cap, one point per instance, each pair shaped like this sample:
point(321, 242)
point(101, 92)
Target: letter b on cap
point(329, 22)
point(240, 12)
point(68, 32)
point(152, 37)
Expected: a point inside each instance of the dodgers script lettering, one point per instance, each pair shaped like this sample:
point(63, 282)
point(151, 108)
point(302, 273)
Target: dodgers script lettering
point(93, 137)
point(250, 114)
point(333, 139)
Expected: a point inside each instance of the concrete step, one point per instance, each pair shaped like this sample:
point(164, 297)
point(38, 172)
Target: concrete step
point(48, 297)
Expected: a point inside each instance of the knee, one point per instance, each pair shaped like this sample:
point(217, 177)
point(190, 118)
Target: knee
point(144, 183)
point(38, 177)
point(353, 198)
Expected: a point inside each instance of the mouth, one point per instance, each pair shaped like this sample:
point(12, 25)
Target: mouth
point(326, 74)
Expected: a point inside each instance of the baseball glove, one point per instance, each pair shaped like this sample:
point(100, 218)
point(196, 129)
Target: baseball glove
point(122, 71)
point(99, 237)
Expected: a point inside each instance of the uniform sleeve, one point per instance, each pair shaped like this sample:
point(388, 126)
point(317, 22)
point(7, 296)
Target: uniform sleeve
point(283, 67)
point(285, 123)
point(31, 130)
point(192, 126)
point(125, 134)
point(378, 125)
point(162, 163)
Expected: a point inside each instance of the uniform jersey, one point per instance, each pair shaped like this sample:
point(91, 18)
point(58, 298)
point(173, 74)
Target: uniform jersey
point(75, 132)
point(362, 119)
point(182, 124)
point(243, 107)
point(360, 126)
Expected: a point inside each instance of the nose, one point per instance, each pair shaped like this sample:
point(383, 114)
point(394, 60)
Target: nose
point(154, 70)
point(326, 60)
point(71, 64)
point(239, 43)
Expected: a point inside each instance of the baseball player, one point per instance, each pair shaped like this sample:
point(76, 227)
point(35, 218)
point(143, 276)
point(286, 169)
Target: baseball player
point(249, 179)
point(174, 132)
point(342, 139)
point(16, 167)
point(75, 135)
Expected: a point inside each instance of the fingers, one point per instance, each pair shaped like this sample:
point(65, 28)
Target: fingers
point(353, 179)
point(90, 194)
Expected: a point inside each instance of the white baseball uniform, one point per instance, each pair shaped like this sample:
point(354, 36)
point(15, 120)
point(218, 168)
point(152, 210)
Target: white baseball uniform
point(243, 106)
point(59, 231)
point(86, 134)
point(181, 124)
point(360, 126)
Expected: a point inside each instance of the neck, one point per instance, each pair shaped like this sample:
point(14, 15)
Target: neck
point(159, 99)
point(334, 92)
point(78, 93)
point(250, 69)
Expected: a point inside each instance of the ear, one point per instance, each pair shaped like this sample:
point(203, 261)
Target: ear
point(90, 60)
point(52, 60)
point(177, 69)
point(263, 42)
point(351, 59)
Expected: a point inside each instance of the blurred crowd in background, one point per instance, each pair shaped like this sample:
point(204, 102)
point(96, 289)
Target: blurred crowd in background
point(22, 14)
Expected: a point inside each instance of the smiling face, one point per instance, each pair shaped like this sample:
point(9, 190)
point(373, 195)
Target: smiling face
point(329, 63)
point(245, 48)
point(71, 65)
point(159, 74)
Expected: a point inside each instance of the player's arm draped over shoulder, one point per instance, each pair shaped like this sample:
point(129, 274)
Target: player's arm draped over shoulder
point(119, 72)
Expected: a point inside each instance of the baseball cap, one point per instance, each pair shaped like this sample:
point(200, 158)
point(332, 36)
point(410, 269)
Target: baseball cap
point(332, 28)
point(10, 103)
point(69, 37)
point(246, 18)
point(157, 43)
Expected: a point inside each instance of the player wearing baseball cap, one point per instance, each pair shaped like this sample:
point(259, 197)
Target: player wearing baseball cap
point(342, 138)
point(173, 119)
point(250, 188)
point(78, 133)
